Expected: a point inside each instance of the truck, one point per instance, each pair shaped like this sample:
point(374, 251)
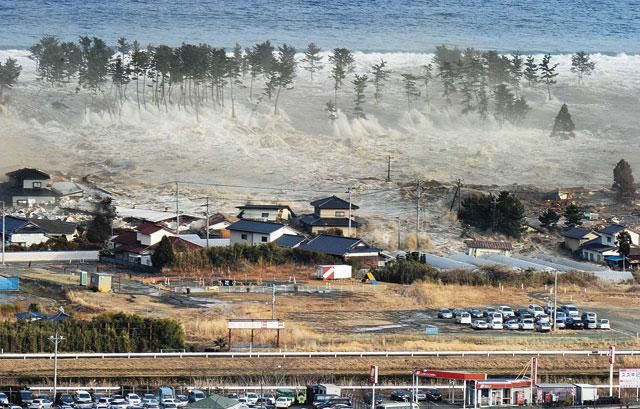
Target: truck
point(166, 392)
point(322, 391)
point(333, 272)
point(586, 394)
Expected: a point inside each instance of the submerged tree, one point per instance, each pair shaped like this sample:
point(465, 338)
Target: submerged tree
point(9, 73)
point(426, 77)
point(312, 60)
point(284, 71)
point(508, 107)
point(342, 64)
point(516, 72)
point(548, 72)
point(582, 65)
point(623, 181)
point(359, 84)
point(164, 255)
point(99, 229)
point(572, 216)
point(531, 70)
point(410, 89)
point(380, 75)
point(563, 125)
point(549, 219)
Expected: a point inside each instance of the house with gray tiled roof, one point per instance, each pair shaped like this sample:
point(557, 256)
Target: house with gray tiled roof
point(255, 232)
point(331, 214)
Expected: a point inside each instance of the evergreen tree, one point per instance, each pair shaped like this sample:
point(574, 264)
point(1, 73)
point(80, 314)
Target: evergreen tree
point(233, 73)
point(563, 125)
point(548, 72)
point(72, 59)
point(498, 68)
point(503, 214)
point(380, 75)
point(342, 64)
point(516, 72)
point(312, 60)
point(624, 243)
point(359, 85)
point(50, 60)
point(164, 255)
point(519, 110)
point(582, 65)
point(410, 88)
point(448, 75)
point(95, 67)
point(572, 216)
point(623, 181)
point(427, 76)
point(549, 219)
point(99, 229)
point(531, 70)
point(9, 73)
point(139, 64)
point(284, 71)
point(503, 103)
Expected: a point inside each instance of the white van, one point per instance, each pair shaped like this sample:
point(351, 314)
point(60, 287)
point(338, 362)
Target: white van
point(397, 405)
point(495, 317)
point(463, 318)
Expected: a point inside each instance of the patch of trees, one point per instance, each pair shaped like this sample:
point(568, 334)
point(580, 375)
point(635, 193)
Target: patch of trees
point(99, 229)
point(623, 182)
point(503, 213)
point(9, 73)
point(114, 332)
point(563, 125)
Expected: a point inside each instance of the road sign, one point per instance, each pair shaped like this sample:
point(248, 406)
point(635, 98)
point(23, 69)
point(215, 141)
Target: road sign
point(373, 374)
point(534, 370)
point(612, 354)
point(629, 378)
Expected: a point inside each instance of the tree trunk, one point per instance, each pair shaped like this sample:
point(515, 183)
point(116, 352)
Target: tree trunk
point(233, 105)
point(275, 105)
point(138, 91)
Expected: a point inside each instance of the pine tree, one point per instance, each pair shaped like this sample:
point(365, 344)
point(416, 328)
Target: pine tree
point(285, 70)
point(342, 64)
point(549, 219)
point(448, 75)
point(9, 73)
point(582, 65)
point(164, 255)
point(99, 229)
point(312, 60)
point(233, 68)
point(572, 216)
point(623, 181)
point(516, 72)
point(624, 243)
point(531, 70)
point(427, 76)
point(380, 75)
point(548, 72)
point(503, 103)
point(359, 85)
point(563, 125)
point(410, 88)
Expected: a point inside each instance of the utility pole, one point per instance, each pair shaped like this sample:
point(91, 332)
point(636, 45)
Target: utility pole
point(389, 168)
point(418, 194)
point(177, 211)
point(56, 340)
point(207, 216)
point(459, 184)
point(3, 233)
point(398, 223)
point(273, 302)
point(555, 301)
point(349, 191)
point(493, 214)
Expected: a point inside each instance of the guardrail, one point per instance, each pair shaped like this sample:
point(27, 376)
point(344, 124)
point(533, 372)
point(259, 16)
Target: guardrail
point(353, 354)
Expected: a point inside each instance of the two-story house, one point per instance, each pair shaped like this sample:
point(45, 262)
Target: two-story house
point(332, 214)
point(609, 235)
point(266, 213)
point(28, 187)
point(575, 237)
point(254, 232)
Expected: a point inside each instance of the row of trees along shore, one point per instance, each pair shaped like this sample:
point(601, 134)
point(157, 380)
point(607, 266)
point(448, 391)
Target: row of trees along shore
point(191, 76)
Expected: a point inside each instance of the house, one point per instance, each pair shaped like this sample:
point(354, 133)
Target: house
point(331, 214)
point(218, 224)
point(200, 242)
point(594, 250)
point(290, 241)
point(57, 228)
point(266, 213)
point(137, 246)
point(27, 232)
point(149, 234)
point(609, 235)
point(481, 248)
point(255, 232)
point(575, 237)
point(347, 248)
point(28, 187)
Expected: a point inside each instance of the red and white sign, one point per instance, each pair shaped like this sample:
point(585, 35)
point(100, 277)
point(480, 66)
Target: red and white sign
point(534, 371)
point(333, 272)
point(373, 374)
point(612, 354)
point(629, 378)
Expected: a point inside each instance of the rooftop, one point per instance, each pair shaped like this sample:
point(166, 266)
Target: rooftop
point(597, 246)
point(313, 220)
point(332, 202)
point(149, 228)
point(576, 232)
point(289, 240)
point(612, 229)
point(489, 244)
point(253, 226)
point(28, 174)
point(55, 226)
point(337, 245)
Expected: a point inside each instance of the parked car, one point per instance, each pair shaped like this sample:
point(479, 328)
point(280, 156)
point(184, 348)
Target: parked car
point(561, 323)
point(488, 311)
point(590, 324)
point(419, 396)
point(561, 315)
point(434, 395)
point(169, 405)
point(542, 318)
point(604, 324)
point(82, 400)
point(283, 402)
point(496, 316)
point(570, 310)
point(335, 402)
point(102, 403)
point(479, 324)
point(520, 312)
point(476, 313)
point(366, 397)
point(457, 311)
point(149, 397)
point(4, 399)
point(506, 311)
point(464, 318)
point(535, 310)
point(589, 316)
point(96, 396)
point(133, 399)
point(400, 395)
point(183, 400)
point(232, 396)
point(543, 326)
point(40, 403)
point(196, 395)
point(65, 399)
point(118, 402)
point(573, 323)
point(496, 324)
point(269, 398)
point(511, 324)
point(445, 313)
point(527, 324)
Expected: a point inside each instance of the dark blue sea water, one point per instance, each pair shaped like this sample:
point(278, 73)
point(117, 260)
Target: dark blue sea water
point(368, 25)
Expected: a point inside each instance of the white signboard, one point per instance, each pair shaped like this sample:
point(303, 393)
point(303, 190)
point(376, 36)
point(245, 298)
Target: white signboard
point(629, 378)
point(255, 324)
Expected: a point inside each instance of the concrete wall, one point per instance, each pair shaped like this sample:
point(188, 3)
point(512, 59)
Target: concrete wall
point(26, 256)
point(28, 239)
point(32, 200)
point(28, 184)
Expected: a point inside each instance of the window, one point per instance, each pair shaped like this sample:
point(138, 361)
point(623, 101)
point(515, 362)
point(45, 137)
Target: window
point(37, 185)
point(339, 214)
point(265, 215)
point(264, 239)
point(243, 236)
point(22, 202)
point(609, 239)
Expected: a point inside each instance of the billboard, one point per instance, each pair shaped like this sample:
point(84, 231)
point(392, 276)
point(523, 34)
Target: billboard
point(255, 324)
point(629, 378)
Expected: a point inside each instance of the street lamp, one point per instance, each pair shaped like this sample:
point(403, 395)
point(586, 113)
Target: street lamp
point(56, 340)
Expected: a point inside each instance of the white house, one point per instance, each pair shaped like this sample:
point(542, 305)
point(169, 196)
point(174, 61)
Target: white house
point(609, 235)
point(480, 248)
point(266, 213)
point(255, 232)
point(596, 251)
point(150, 234)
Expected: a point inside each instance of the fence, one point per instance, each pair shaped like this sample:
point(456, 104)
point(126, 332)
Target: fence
point(128, 265)
point(34, 256)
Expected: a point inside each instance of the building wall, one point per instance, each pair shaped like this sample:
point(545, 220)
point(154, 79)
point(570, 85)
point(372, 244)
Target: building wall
point(487, 252)
point(27, 240)
point(257, 238)
point(32, 200)
point(153, 238)
point(28, 183)
point(345, 230)
point(331, 213)
point(272, 215)
point(575, 244)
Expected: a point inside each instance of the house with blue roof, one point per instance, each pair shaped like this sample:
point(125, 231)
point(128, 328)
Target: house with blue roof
point(347, 248)
point(26, 232)
point(609, 235)
point(252, 232)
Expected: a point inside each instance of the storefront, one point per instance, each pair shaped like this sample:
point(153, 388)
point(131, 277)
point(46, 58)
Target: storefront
point(555, 394)
point(500, 392)
point(467, 378)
